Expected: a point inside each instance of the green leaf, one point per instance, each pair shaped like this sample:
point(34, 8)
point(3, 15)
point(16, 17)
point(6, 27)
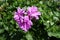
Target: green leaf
point(1, 31)
point(2, 38)
point(29, 36)
point(57, 34)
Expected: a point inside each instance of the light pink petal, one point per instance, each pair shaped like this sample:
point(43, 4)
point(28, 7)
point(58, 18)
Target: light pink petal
point(34, 8)
point(26, 18)
point(16, 17)
point(37, 13)
point(24, 27)
point(36, 17)
point(30, 22)
point(19, 10)
point(29, 9)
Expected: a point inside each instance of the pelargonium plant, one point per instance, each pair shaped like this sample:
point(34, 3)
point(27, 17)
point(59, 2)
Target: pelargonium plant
point(24, 17)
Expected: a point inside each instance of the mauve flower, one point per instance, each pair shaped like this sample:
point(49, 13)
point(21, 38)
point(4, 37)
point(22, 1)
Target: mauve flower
point(33, 12)
point(23, 19)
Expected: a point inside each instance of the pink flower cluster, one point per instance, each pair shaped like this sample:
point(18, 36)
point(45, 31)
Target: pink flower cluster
point(24, 17)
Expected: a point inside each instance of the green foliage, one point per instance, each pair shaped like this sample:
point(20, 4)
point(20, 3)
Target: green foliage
point(47, 26)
